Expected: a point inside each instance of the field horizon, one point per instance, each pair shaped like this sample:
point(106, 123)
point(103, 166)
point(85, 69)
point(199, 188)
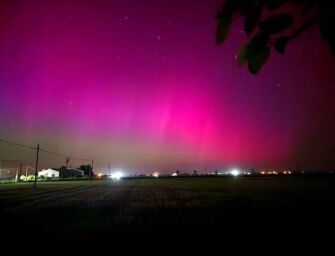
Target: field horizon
point(101, 209)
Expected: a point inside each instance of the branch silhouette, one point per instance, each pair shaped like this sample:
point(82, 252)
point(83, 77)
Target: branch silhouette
point(273, 24)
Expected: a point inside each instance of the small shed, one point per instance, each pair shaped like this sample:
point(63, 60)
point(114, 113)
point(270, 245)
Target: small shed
point(48, 173)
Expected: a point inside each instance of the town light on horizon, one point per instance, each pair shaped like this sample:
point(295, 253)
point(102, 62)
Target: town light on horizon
point(235, 172)
point(117, 175)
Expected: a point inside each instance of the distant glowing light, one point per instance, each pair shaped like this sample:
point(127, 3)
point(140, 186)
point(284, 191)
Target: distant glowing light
point(235, 172)
point(263, 173)
point(155, 174)
point(100, 175)
point(117, 175)
point(174, 174)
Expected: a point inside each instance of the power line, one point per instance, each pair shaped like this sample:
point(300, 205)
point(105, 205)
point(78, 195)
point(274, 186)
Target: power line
point(17, 144)
point(11, 160)
point(43, 150)
point(36, 171)
point(61, 155)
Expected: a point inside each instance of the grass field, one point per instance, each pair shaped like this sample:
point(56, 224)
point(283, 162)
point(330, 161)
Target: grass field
point(106, 207)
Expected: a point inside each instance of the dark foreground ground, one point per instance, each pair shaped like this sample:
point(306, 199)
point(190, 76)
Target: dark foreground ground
point(177, 209)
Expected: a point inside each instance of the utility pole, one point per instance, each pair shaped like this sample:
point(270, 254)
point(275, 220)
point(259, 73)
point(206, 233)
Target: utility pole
point(205, 168)
point(27, 167)
point(67, 161)
point(109, 168)
point(91, 172)
point(17, 174)
point(2, 167)
point(37, 152)
point(20, 173)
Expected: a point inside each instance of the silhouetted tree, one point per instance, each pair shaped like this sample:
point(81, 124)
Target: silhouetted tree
point(87, 169)
point(274, 24)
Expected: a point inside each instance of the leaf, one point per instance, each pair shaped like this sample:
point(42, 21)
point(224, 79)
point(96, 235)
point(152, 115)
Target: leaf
point(252, 14)
point(257, 60)
point(274, 4)
point(257, 44)
point(225, 18)
point(281, 43)
point(327, 34)
point(257, 52)
point(223, 29)
point(241, 56)
point(327, 23)
point(308, 6)
point(276, 24)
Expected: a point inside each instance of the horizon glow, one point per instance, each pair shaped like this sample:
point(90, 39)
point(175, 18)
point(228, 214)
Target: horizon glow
point(137, 84)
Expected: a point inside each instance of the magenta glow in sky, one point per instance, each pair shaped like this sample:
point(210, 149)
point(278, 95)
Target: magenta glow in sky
point(142, 83)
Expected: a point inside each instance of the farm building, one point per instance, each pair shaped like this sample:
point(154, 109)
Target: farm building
point(65, 172)
point(48, 173)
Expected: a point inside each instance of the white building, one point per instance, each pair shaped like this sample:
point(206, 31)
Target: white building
point(48, 173)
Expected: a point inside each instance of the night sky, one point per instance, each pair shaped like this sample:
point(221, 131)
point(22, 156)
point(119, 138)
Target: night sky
point(143, 84)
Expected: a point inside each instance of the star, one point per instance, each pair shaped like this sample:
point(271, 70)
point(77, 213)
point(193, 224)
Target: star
point(124, 18)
